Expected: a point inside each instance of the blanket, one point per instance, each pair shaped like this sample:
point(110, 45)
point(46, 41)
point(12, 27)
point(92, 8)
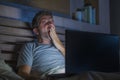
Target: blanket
point(91, 75)
point(6, 72)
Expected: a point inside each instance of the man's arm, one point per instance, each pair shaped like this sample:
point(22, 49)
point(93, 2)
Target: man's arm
point(24, 71)
point(56, 40)
point(25, 61)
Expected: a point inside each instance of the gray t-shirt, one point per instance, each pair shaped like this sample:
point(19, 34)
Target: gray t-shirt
point(41, 57)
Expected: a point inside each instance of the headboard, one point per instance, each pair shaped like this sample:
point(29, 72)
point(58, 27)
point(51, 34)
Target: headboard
point(13, 34)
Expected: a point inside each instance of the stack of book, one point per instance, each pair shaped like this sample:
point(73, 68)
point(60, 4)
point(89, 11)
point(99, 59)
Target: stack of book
point(86, 14)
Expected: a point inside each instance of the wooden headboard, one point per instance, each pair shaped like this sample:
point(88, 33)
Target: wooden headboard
point(13, 34)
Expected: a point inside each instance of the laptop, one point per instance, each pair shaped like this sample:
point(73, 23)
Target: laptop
point(89, 51)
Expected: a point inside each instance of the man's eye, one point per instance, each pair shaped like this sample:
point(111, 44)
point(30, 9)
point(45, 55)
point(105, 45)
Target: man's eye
point(43, 21)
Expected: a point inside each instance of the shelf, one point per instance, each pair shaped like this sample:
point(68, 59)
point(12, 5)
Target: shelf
point(103, 16)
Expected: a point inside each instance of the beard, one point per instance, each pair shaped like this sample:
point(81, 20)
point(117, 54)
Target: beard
point(44, 36)
point(46, 33)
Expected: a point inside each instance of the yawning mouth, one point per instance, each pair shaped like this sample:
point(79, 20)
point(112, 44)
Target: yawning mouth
point(49, 34)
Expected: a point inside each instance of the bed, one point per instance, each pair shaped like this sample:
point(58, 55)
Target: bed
point(14, 33)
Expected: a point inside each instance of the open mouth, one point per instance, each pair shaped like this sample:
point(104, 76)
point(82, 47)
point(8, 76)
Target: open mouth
point(49, 35)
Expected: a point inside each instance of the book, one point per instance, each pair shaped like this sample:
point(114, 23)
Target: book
point(94, 15)
point(78, 14)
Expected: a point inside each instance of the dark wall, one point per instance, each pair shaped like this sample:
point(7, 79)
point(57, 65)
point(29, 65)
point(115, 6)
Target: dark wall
point(61, 6)
point(115, 16)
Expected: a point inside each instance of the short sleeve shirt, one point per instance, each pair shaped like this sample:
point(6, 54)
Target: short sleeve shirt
point(40, 57)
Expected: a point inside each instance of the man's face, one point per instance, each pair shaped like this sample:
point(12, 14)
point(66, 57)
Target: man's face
point(45, 24)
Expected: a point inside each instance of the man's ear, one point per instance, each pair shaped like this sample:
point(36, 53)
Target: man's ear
point(35, 30)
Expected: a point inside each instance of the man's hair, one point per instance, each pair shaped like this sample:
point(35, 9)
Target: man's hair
point(37, 17)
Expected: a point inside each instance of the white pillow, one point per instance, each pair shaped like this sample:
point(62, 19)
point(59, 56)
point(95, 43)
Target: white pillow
point(7, 73)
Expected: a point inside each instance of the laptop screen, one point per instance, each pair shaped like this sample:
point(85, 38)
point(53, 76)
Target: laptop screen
point(88, 51)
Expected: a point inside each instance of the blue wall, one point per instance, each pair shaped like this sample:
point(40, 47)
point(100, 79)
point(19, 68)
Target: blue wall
point(27, 12)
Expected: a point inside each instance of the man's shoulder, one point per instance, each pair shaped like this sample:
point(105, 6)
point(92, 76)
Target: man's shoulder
point(30, 43)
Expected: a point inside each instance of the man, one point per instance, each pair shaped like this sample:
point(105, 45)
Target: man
point(45, 55)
